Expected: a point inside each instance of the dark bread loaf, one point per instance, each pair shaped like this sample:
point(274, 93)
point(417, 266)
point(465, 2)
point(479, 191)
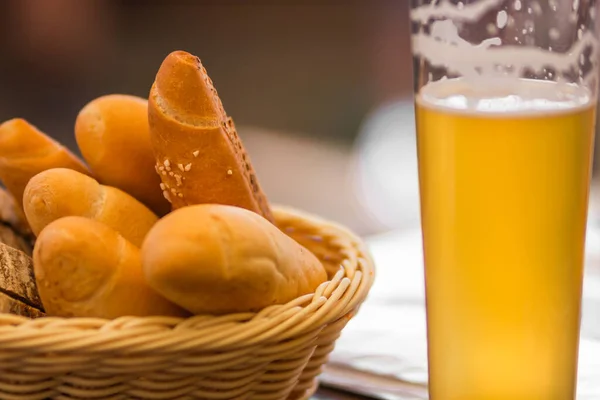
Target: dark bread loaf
point(18, 291)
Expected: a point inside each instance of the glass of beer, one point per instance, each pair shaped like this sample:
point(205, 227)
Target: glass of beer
point(505, 107)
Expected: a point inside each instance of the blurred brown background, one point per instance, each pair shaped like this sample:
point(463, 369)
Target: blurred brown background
point(320, 90)
point(299, 77)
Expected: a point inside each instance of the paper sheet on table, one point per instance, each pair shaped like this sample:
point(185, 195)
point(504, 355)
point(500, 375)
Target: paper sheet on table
point(383, 351)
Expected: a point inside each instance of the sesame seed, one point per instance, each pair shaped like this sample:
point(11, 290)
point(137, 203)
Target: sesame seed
point(173, 191)
point(164, 172)
point(167, 163)
point(178, 179)
point(171, 173)
point(229, 172)
point(180, 194)
point(196, 153)
point(166, 194)
point(188, 166)
point(162, 186)
point(180, 166)
point(161, 168)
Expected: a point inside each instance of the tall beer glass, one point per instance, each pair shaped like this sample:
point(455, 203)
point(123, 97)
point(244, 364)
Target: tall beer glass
point(505, 106)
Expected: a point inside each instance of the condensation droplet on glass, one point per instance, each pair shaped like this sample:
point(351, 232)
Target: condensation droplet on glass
point(501, 19)
point(529, 10)
point(579, 34)
point(524, 31)
point(430, 77)
point(575, 5)
point(537, 9)
point(518, 5)
point(529, 25)
point(460, 5)
point(554, 33)
point(491, 29)
point(553, 4)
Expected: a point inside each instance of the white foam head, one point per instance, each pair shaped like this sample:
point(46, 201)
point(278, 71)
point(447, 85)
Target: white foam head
point(510, 95)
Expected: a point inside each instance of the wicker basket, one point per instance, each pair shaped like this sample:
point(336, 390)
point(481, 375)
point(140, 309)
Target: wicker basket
point(274, 354)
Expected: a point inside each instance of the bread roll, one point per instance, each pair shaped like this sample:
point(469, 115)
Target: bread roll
point(86, 269)
point(199, 155)
point(217, 259)
point(25, 151)
point(60, 192)
point(112, 134)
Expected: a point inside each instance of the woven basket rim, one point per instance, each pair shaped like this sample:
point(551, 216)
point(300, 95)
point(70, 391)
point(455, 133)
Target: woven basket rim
point(274, 323)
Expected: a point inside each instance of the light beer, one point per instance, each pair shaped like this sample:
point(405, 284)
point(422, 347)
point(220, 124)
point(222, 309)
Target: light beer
point(504, 174)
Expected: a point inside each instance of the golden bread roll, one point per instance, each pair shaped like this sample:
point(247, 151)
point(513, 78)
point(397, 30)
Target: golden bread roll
point(199, 155)
point(112, 134)
point(25, 151)
point(61, 192)
point(217, 259)
point(86, 269)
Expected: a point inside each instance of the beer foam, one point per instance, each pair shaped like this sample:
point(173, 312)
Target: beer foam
point(502, 96)
point(443, 46)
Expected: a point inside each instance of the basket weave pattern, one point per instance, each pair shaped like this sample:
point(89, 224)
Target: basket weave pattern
point(276, 353)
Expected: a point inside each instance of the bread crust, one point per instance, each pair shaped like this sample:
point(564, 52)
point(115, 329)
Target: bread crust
point(228, 260)
point(113, 135)
point(199, 155)
point(25, 151)
point(86, 269)
point(61, 192)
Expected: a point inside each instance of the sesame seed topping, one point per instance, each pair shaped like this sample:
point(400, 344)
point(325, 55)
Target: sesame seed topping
point(171, 173)
point(164, 172)
point(167, 163)
point(188, 166)
point(229, 172)
point(180, 166)
point(178, 179)
point(196, 153)
point(166, 194)
point(162, 186)
point(180, 194)
point(161, 168)
point(173, 191)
